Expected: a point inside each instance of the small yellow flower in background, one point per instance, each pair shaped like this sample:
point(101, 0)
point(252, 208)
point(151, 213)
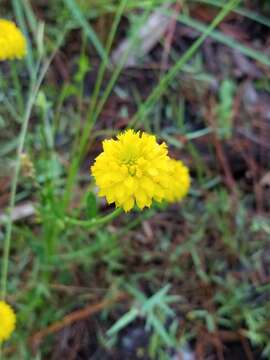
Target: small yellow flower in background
point(7, 321)
point(12, 41)
point(27, 166)
point(135, 169)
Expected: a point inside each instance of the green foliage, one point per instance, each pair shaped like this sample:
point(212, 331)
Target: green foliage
point(185, 267)
point(225, 108)
point(91, 205)
point(79, 17)
point(156, 311)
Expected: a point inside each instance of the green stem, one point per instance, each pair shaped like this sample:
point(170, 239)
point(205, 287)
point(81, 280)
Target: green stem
point(17, 86)
point(13, 194)
point(96, 221)
point(34, 88)
point(19, 13)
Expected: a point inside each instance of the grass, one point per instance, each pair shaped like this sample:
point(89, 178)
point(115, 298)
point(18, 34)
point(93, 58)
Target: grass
point(190, 273)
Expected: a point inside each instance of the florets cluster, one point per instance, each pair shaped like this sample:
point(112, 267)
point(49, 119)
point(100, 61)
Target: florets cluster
point(12, 41)
point(7, 321)
point(135, 169)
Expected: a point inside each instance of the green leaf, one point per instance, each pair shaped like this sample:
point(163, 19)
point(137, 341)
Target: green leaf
point(82, 21)
point(225, 108)
point(126, 319)
point(91, 205)
point(160, 330)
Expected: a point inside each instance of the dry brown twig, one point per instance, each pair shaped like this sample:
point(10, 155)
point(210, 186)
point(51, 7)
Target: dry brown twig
point(77, 315)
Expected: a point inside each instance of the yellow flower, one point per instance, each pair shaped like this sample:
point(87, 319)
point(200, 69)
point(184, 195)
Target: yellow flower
point(135, 169)
point(179, 181)
point(7, 321)
point(12, 41)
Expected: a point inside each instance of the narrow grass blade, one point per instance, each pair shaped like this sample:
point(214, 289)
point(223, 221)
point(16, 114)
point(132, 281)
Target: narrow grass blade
point(18, 10)
point(80, 18)
point(30, 15)
point(226, 40)
point(167, 78)
point(241, 11)
point(38, 77)
point(126, 319)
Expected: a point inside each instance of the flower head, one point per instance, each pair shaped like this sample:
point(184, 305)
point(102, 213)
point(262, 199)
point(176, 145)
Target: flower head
point(12, 41)
point(7, 321)
point(179, 181)
point(135, 169)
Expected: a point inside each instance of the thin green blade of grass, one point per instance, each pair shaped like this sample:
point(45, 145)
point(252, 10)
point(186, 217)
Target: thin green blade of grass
point(9, 106)
point(18, 88)
point(110, 6)
point(224, 39)
point(125, 320)
point(18, 10)
point(38, 76)
point(167, 78)
point(158, 326)
point(156, 299)
point(241, 11)
point(81, 20)
point(30, 15)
